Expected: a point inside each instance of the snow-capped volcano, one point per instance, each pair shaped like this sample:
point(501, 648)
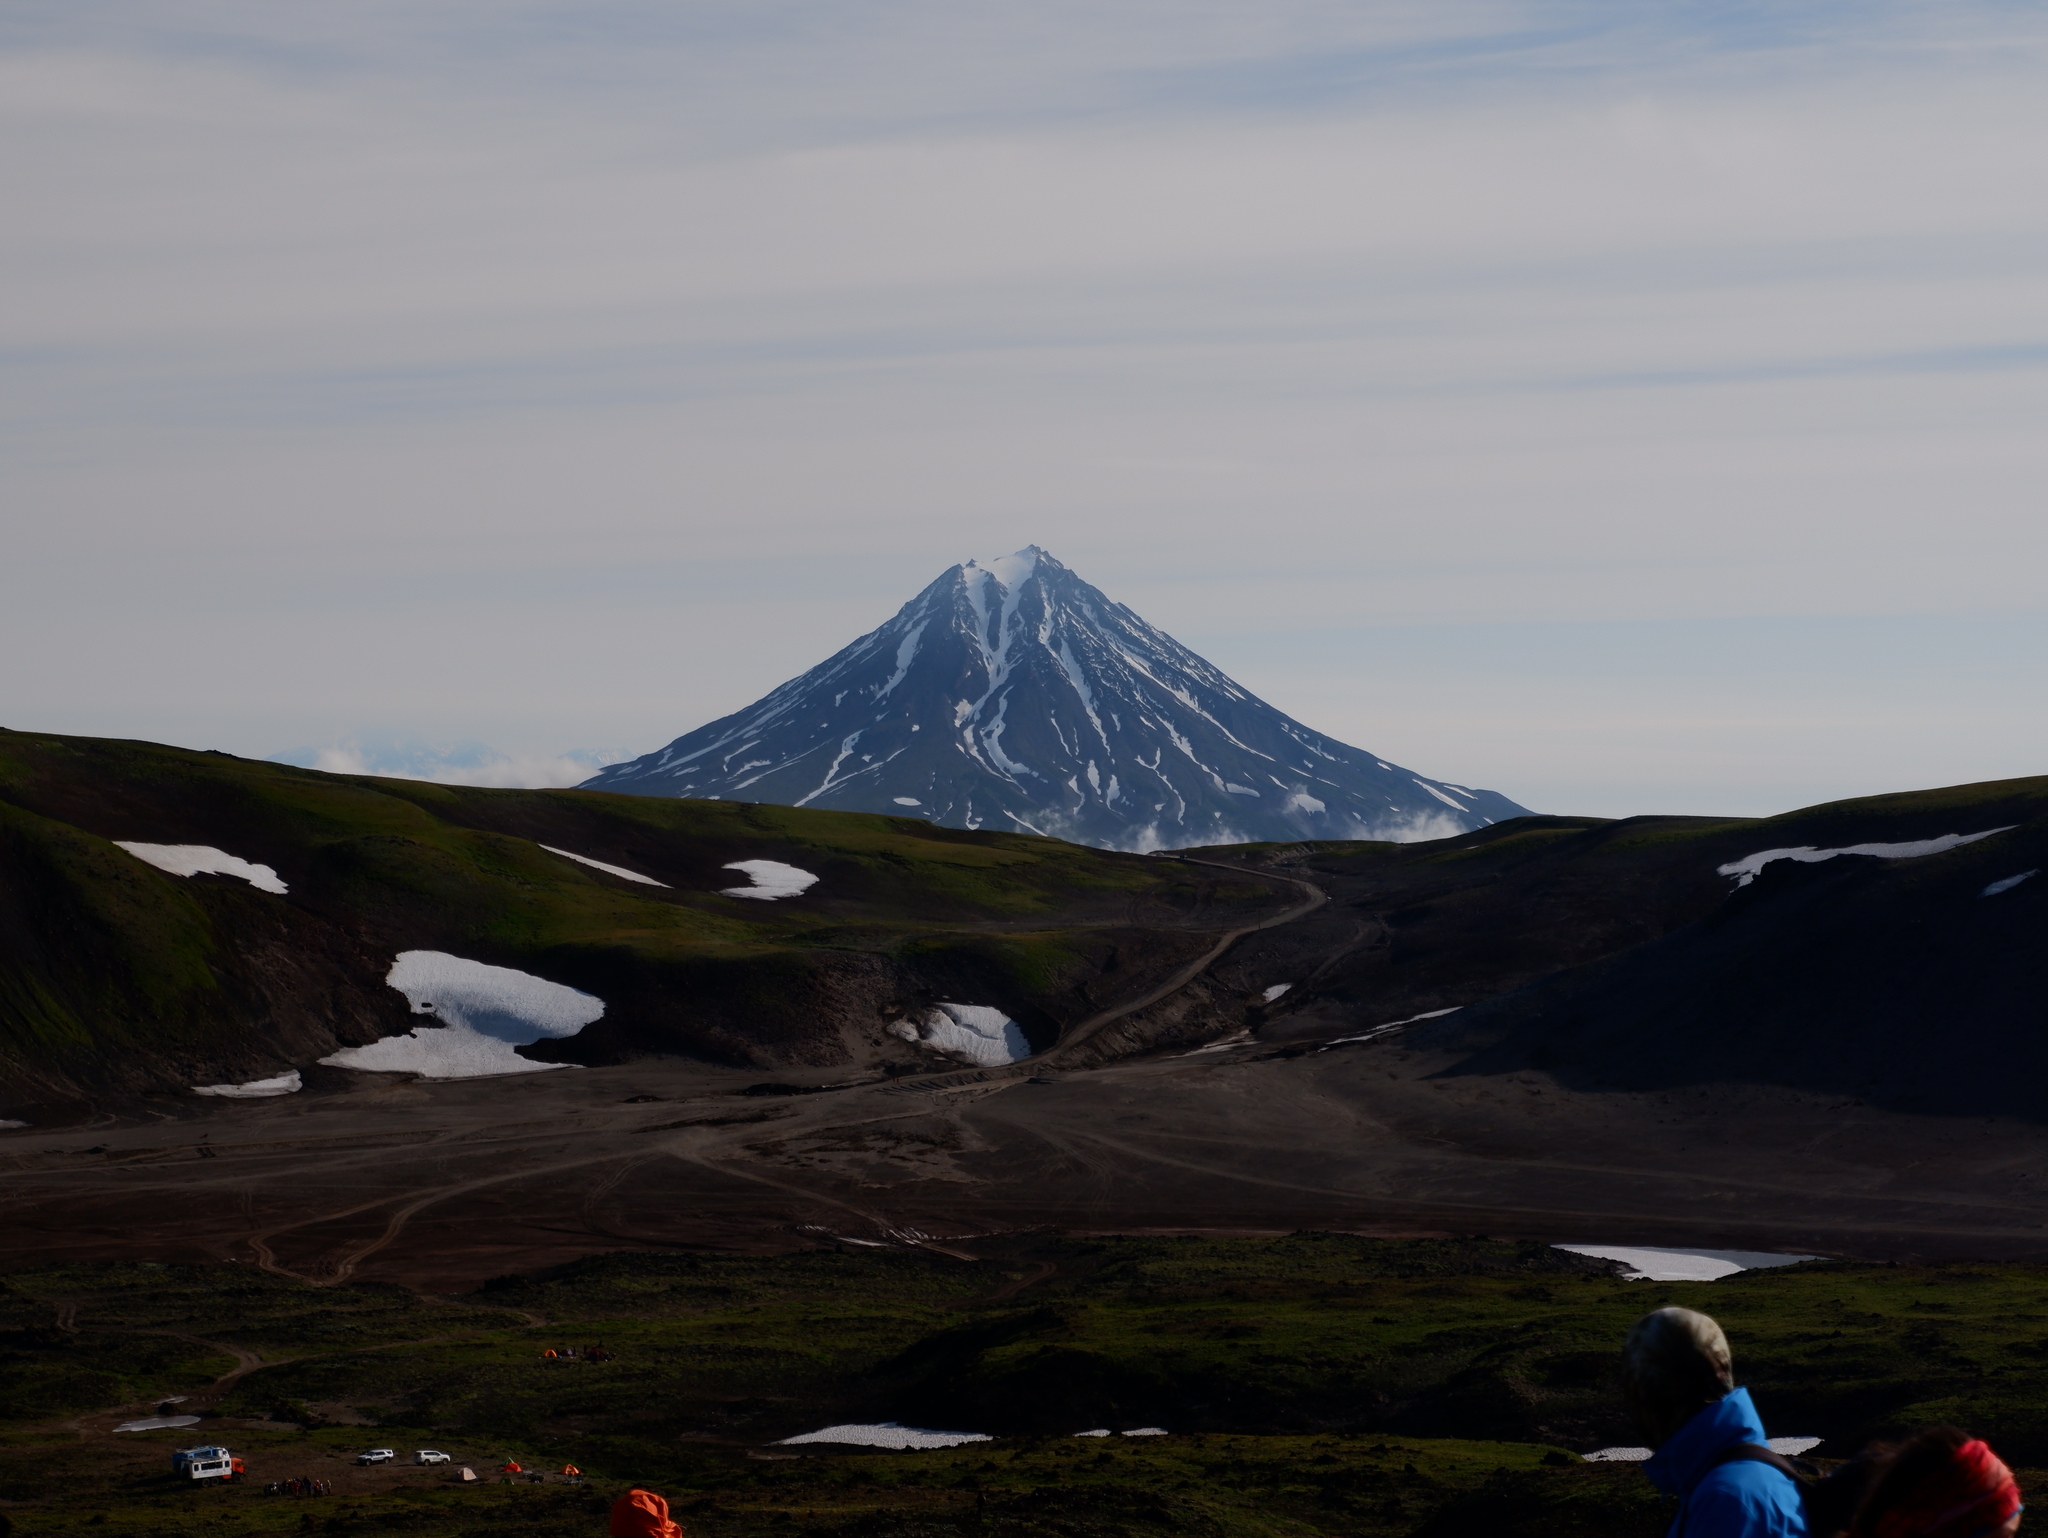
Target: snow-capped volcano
point(1010, 694)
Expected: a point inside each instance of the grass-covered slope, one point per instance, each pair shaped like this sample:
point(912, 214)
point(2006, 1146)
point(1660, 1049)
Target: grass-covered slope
point(1318, 1384)
point(1615, 954)
point(117, 975)
point(1916, 983)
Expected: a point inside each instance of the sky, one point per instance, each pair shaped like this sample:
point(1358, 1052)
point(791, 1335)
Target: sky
point(1628, 407)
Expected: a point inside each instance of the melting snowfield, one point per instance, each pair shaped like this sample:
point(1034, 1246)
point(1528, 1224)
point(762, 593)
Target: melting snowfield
point(1790, 1447)
point(609, 870)
point(255, 1089)
point(1392, 1025)
point(771, 879)
point(1649, 1263)
point(974, 1033)
point(886, 1434)
point(205, 860)
point(485, 1012)
point(1746, 869)
point(158, 1423)
point(2008, 883)
point(1142, 1431)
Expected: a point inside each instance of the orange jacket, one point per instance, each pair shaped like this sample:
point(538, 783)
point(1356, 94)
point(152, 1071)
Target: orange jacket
point(642, 1514)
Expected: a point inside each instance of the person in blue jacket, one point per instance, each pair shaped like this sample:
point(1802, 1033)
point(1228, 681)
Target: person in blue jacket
point(1679, 1378)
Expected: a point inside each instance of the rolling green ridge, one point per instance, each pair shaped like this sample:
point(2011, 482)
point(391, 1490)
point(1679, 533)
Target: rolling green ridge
point(117, 975)
point(1314, 1384)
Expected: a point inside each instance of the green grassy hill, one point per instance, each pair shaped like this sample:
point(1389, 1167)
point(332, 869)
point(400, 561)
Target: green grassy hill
point(1317, 1384)
point(117, 977)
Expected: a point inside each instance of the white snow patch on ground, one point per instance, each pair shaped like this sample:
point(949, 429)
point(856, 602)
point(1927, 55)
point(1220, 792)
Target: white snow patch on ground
point(255, 1089)
point(1275, 991)
point(975, 1033)
point(1651, 1263)
point(1100, 1431)
point(886, 1434)
point(159, 1423)
point(204, 859)
point(1746, 869)
point(609, 870)
point(908, 801)
point(2008, 883)
point(1381, 1030)
point(1789, 1447)
point(1302, 801)
point(485, 1011)
point(771, 879)
point(14, 1126)
point(1148, 1431)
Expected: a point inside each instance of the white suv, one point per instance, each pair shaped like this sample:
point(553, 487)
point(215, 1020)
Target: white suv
point(376, 1455)
point(426, 1456)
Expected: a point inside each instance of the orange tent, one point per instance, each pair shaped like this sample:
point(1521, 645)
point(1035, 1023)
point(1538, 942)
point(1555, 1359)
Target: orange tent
point(571, 1470)
point(642, 1514)
point(512, 1467)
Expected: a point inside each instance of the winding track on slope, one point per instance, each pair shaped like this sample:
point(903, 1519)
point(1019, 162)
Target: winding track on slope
point(1093, 1026)
point(342, 1266)
point(1086, 1030)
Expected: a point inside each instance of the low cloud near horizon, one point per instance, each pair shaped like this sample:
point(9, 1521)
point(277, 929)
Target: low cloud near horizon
point(1629, 408)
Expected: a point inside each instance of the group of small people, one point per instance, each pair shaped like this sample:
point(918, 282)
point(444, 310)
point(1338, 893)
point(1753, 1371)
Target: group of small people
point(1710, 1452)
point(299, 1487)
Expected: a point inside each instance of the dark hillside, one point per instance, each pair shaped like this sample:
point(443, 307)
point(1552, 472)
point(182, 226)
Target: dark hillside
point(1617, 952)
point(1896, 982)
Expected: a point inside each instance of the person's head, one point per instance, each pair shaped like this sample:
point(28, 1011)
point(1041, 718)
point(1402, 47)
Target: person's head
point(1674, 1363)
point(1939, 1483)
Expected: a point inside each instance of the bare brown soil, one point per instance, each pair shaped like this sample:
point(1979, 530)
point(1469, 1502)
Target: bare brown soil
point(441, 1186)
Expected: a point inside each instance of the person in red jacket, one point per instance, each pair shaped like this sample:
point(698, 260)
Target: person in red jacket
point(1940, 1483)
point(642, 1514)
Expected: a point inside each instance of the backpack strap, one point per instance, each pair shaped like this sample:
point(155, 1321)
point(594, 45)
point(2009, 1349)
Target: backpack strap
point(1750, 1452)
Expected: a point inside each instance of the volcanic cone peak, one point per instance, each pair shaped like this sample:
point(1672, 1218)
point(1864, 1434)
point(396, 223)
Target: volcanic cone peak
point(1010, 694)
